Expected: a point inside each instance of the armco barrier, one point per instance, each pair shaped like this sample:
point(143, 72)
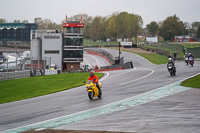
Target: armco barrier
point(14, 75)
point(101, 53)
point(110, 59)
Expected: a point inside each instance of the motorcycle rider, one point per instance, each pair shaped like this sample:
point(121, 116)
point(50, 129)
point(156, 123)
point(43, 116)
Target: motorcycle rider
point(92, 77)
point(190, 55)
point(186, 55)
point(170, 61)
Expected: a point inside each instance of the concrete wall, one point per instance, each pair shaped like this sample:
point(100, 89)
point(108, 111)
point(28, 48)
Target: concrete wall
point(14, 75)
point(51, 43)
point(36, 49)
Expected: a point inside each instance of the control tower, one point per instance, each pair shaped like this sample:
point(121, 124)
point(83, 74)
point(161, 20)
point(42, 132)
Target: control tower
point(72, 45)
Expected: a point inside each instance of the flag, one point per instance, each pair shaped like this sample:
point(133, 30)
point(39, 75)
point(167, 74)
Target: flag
point(81, 19)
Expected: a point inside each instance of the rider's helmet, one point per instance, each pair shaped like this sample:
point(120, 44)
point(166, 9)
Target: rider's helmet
point(169, 59)
point(91, 73)
point(189, 54)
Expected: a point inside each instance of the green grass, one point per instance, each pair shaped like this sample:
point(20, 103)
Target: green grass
point(155, 58)
point(18, 89)
point(193, 82)
point(99, 44)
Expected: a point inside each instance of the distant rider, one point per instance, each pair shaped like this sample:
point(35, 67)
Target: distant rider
point(92, 77)
point(186, 55)
point(190, 55)
point(170, 61)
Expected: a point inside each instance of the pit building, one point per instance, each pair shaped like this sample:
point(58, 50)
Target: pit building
point(61, 49)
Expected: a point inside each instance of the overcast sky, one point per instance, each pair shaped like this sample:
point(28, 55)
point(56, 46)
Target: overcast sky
point(149, 10)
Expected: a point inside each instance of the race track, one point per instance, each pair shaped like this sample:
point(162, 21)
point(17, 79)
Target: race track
point(159, 105)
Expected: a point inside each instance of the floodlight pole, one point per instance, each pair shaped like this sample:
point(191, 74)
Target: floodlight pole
point(119, 51)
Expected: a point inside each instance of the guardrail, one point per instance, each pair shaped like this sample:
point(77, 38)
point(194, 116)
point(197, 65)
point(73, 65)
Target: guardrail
point(110, 59)
point(102, 53)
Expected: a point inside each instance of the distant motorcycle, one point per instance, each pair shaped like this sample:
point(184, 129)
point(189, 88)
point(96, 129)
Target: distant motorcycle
point(171, 69)
point(191, 61)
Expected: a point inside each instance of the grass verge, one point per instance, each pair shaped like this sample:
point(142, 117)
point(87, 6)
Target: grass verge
point(19, 89)
point(155, 58)
point(193, 82)
point(152, 57)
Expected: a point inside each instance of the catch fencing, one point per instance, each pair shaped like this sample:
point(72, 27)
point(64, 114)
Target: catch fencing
point(194, 51)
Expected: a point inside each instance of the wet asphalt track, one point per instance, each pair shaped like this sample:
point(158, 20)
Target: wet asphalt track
point(174, 113)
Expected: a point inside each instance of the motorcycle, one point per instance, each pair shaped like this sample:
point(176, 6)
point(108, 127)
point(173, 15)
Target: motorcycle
point(171, 69)
point(191, 61)
point(92, 89)
point(186, 60)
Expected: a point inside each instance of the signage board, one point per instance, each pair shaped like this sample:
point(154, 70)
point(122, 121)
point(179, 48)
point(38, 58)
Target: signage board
point(126, 43)
point(80, 25)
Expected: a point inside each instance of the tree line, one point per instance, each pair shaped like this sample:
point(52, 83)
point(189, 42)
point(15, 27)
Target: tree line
point(122, 25)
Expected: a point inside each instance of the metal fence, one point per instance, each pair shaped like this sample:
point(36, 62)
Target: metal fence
point(194, 51)
point(14, 75)
point(165, 49)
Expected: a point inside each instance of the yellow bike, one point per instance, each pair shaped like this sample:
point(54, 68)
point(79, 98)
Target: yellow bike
point(92, 89)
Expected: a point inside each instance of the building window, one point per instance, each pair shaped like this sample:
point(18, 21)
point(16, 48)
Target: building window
point(73, 41)
point(51, 52)
point(51, 37)
point(73, 54)
point(73, 30)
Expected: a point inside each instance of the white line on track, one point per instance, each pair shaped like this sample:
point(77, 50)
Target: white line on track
point(107, 74)
point(119, 74)
point(152, 71)
point(97, 61)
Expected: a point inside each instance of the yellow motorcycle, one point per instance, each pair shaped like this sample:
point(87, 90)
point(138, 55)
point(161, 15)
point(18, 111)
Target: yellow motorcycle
point(92, 89)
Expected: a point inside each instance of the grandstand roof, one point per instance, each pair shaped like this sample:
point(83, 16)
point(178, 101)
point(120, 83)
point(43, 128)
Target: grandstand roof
point(11, 25)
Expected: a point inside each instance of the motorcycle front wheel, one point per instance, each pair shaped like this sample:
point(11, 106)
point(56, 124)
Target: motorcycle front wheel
point(90, 95)
point(100, 94)
point(171, 72)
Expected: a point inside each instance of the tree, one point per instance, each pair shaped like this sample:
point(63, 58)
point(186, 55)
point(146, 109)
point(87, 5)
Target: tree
point(16, 21)
point(198, 32)
point(136, 23)
point(122, 25)
point(97, 31)
point(195, 25)
point(45, 24)
point(111, 31)
point(25, 21)
point(153, 28)
point(128, 25)
point(170, 27)
point(2, 20)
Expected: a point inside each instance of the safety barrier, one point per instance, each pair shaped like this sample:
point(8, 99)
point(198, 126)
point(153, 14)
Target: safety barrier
point(14, 75)
point(110, 59)
point(51, 72)
point(101, 53)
